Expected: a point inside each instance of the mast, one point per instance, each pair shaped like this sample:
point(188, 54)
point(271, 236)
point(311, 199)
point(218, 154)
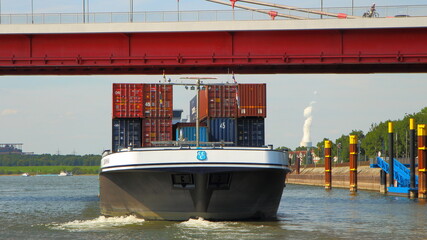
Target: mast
point(197, 114)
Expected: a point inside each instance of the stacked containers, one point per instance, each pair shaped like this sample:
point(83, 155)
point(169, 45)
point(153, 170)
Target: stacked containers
point(235, 113)
point(143, 112)
point(252, 111)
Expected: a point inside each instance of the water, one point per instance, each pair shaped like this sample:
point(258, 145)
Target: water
point(67, 207)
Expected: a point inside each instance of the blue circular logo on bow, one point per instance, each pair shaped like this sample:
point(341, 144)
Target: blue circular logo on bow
point(202, 155)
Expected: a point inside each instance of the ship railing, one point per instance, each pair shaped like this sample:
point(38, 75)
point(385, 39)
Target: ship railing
point(200, 16)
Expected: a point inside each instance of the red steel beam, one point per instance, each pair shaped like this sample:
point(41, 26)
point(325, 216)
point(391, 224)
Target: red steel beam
point(254, 52)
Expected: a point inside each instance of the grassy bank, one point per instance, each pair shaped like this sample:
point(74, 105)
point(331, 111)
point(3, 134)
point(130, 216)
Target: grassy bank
point(33, 170)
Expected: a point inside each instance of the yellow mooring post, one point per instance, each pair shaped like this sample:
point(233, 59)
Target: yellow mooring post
point(353, 163)
point(422, 161)
point(328, 165)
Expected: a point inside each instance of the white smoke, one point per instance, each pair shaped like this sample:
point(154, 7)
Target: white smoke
point(306, 138)
point(8, 112)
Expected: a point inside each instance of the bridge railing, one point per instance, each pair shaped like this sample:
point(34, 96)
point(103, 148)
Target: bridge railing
point(195, 16)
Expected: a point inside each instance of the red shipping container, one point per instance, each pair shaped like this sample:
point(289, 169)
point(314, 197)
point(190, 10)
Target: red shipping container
point(158, 101)
point(127, 100)
point(252, 100)
point(156, 129)
point(142, 100)
point(218, 101)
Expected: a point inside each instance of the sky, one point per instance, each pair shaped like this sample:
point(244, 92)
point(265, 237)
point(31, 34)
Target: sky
point(72, 114)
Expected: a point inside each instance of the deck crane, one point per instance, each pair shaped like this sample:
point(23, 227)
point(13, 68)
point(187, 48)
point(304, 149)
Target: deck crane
point(280, 6)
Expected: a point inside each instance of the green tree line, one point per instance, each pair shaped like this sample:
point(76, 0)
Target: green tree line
point(375, 141)
point(49, 160)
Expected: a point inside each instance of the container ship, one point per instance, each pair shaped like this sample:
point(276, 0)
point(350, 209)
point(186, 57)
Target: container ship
point(216, 166)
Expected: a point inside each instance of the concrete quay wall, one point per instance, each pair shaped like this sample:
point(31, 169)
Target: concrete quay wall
point(367, 178)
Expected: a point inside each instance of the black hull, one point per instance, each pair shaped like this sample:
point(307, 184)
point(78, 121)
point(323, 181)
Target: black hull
point(213, 194)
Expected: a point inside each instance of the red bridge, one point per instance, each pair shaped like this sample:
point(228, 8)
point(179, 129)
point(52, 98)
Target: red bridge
point(282, 46)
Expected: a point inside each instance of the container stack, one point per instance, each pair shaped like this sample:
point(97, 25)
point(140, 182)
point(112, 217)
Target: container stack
point(142, 113)
point(234, 113)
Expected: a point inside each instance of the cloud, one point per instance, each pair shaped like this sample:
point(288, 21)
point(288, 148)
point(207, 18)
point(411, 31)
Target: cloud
point(8, 112)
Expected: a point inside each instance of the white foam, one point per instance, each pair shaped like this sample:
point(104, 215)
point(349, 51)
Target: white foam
point(100, 223)
point(202, 229)
point(200, 223)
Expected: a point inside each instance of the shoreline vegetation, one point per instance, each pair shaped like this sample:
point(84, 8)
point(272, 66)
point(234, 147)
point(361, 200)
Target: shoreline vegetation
point(17, 164)
point(40, 170)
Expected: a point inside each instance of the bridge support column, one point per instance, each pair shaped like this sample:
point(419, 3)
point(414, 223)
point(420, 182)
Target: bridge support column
point(412, 191)
point(328, 165)
point(391, 154)
point(422, 161)
point(353, 163)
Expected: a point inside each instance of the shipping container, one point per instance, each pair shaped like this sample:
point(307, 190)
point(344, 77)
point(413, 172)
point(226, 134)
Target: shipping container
point(222, 129)
point(193, 107)
point(126, 132)
point(252, 101)
point(158, 101)
point(127, 100)
point(156, 129)
point(142, 100)
point(218, 101)
point(189, 134)
point(176, 130)
point(250, 132)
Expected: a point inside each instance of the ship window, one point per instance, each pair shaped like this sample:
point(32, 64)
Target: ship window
point(219, 181)
point(183, 181)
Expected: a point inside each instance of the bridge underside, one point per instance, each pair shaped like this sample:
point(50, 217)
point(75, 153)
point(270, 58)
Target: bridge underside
point(220, 52)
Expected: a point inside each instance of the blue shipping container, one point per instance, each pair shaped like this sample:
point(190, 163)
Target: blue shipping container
point(222, 129)
point(189, 134)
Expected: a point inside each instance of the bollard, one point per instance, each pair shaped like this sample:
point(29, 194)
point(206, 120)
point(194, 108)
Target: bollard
point(412, 190)
point(422, 159)
point(390, 155)
point(353, 163)
point(328, 165)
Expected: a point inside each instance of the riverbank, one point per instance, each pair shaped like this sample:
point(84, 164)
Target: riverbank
point(38, 170)
point(367, 178)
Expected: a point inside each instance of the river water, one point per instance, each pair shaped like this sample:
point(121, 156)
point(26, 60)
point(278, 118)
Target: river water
point(67, 207)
